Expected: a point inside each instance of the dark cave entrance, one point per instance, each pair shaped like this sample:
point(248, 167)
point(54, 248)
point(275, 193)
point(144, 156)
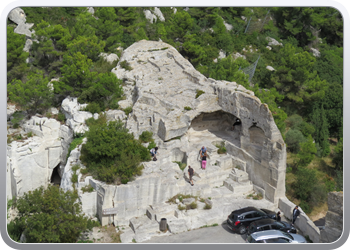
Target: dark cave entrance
point(55, 177)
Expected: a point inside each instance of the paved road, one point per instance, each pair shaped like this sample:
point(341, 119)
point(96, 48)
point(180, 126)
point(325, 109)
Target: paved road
point(218, 234)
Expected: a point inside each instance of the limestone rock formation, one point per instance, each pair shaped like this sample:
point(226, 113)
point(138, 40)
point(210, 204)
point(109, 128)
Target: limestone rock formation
point(31, 162)
point(334, 218)
point(17, 16)
point(273, 42)
point(270, 68)
point(315, 52)
point(110, 57)
point(152, 17)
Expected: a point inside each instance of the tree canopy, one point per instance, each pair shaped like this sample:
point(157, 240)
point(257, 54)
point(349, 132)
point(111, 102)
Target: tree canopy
point(51, 216)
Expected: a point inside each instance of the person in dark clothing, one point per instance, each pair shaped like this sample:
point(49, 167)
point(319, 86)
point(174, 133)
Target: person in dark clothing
point(190, 174)
point(296, 213)
point(278, 216)
point(237, 122)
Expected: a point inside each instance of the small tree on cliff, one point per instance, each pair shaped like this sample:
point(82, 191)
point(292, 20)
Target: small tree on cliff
point(51, 216)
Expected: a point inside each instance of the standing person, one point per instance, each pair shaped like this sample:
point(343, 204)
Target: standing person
point(204, 161)
point(278, 216)
point(202, 151)
point(296, 213)
point(190, 174)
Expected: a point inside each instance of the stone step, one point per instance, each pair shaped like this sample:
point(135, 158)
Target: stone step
point(143, 224)
point(239, 175)
point(238, 187)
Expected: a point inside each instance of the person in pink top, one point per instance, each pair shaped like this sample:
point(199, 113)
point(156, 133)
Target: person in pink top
point(204, 160)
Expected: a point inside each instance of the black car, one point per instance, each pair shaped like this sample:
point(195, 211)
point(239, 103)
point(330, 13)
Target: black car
point(268, 224)
point(239, 220)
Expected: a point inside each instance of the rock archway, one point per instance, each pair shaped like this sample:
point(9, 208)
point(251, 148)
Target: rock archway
point(219, 123)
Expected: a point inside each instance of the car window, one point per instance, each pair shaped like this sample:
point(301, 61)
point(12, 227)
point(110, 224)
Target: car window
point(264, 228)
point(248, 216)
point(260, 241)
point(287, 235)
point(276, 226)
point(281, 225)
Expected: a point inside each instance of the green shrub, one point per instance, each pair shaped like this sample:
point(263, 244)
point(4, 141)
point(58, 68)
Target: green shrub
point(181, 207)
point(87, 188)
point(151, 145)
point(293, 139)
point(74, 144)
point(199, 93)
point(84, 171)
point(187, 108)
point(221, 148)
point(93, 108)
point(182, 165)
point(75, 168)
point(111, 154)
point(18, 116)
point(146, 136)
point(127, 110)
point(74, 178)
point(193, 205)
point(207, 206)
point(125, 65)
point(30, 134)
point(61, 117)
point(102, 119)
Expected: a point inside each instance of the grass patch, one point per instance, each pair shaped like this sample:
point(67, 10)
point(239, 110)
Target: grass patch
point(87, 188)
point(213, 225)
point(127, 110)
point(77, 141)
point(125, 65)
point(180, 197)
point(221, 148)
point(199, 93)
point(182, 165)
point(187, 108)
point(180, 207)
point(61, 117)
point(207, 206)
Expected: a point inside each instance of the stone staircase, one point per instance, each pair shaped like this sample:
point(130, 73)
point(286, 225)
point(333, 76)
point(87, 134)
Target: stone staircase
point(238, 181)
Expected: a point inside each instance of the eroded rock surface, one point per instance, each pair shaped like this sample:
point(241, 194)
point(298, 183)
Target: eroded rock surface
point(334, 218)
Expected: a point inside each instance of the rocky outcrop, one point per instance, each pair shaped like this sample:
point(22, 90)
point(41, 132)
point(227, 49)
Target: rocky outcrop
point(110, 57)
point(334, 218)
point(273, 42)
point(18, 16)
point(30, 163)
point(152, 17)
point(162, 83)
point(315, 52)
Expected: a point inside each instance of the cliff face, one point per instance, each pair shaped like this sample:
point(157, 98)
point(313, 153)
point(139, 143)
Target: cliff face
point(334, 218)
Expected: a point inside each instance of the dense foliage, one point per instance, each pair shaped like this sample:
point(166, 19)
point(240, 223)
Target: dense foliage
point(49, 216)
point(112, 154)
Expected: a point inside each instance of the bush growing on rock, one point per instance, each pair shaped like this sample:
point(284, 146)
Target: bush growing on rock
point(51, 216)
point(146, 136)
point(111, 154)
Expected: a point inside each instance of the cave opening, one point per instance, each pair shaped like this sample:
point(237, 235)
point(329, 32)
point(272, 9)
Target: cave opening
point(55, 177)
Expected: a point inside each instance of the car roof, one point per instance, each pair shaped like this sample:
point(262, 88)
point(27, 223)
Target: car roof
point(244, 210)
point(261, 222)
point(267, 234)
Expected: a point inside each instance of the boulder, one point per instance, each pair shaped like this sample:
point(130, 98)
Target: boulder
point(159, 14)
point(270, 68)
point(28, 45)
point(91, 10)
point(149, 16)
point(17, 16)
point(273, 42)
point(315, 52)
point(236, 55)
point(24, 29)
point(110, 57)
